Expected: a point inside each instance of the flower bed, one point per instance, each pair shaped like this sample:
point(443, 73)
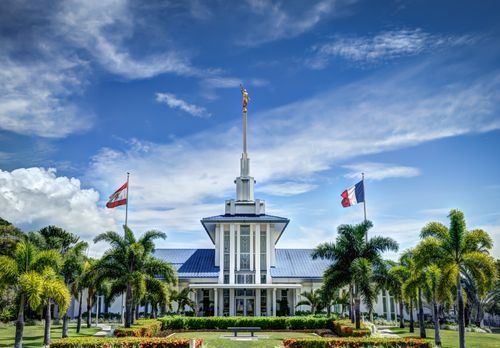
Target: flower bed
point(123, 342)
point(344, 328)
point(141, 328)
point(357, 342)
point(265, 323)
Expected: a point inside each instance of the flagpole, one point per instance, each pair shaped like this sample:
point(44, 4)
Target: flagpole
point(364, 200)
point(126, 205)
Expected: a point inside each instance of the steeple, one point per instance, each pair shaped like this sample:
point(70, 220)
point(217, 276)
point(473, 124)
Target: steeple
point(244, 183)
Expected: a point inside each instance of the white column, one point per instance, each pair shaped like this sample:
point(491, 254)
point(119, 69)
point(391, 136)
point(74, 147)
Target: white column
point(257, 254)
point(274, 302)
point(231, 254)
point(291, 295)
point(268, 254)
point(269, 302)
point(216, 303)
point(238, 248)
point(221, 253)
point(257, 302)
point(251, 247)
point(231, 302)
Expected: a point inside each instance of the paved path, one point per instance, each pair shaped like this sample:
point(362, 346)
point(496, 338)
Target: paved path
point(105, 330)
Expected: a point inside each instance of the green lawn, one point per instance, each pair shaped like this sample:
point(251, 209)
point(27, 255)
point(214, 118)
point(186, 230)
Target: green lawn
point(450, 338)
point(214, 340)
point(33, 335)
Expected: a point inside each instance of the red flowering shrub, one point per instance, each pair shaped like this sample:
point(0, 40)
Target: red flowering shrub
point(356, 342)
point(141, 328)
point(124, 342)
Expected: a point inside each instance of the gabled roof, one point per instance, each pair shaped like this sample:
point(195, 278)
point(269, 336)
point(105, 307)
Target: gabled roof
point(298, 263)
point(190, 263)
point(199, 263)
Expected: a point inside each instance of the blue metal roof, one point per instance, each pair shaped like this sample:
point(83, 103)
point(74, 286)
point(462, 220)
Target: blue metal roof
point(190, 263)
point(199, 263)
point(298, 263)
point(245, 217)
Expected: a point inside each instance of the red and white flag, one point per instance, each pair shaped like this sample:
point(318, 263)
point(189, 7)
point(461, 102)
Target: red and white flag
point(119, 197)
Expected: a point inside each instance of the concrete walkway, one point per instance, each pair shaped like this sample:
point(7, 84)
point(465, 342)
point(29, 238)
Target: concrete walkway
point(105, 330)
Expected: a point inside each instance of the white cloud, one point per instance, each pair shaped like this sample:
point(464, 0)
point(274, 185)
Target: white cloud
point(47, 62)
point(385, 45)
point(297, 141)
point(288, 188)
point(38, 197)
point(102, 28)
point(380, 171)
point(276, 20)
point(175, 103)
point(33, 96)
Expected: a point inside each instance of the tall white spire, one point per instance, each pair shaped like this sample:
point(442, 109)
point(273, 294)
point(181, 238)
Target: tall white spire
point(244, 183)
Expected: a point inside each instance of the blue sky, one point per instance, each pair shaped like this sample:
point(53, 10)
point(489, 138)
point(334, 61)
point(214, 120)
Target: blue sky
point(406, 91)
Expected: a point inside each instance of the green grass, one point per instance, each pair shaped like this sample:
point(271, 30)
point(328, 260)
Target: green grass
point(450, 338)
point(33, 335)
point(214, 340)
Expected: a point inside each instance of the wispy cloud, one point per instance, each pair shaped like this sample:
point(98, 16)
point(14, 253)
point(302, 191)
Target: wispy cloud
point(56, 49)
point(176, 103)
point(200, 169)
point(288, 188)
point(380, 171)
point(209, 85)
point(278, 20)
point(383, 46)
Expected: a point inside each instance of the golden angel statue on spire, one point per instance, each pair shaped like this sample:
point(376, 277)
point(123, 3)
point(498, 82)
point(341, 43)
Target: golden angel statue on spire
point(246, 99)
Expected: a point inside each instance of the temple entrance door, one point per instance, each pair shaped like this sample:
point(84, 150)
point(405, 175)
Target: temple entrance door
point(245, 303)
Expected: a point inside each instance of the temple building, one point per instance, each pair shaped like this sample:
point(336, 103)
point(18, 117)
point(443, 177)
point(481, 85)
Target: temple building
point(245, 273)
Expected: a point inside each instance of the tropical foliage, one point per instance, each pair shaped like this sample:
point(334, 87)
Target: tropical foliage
point(460, 254)
point(355, 342)
point(130, 267)
point(31, 273)
point(353, 258)
point(124, 342)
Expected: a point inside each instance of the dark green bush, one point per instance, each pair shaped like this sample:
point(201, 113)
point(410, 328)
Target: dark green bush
point(266, 323)
point(122, 342)
point(356, 342)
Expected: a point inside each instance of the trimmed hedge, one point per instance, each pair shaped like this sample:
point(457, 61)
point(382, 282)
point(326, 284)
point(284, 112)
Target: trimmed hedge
point(266, 323)
point(344, 328)
point(123, 342)
point(356, 342)
point(141, 328)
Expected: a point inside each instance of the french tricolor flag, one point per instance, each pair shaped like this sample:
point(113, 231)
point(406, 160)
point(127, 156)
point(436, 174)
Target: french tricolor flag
point(353, 195)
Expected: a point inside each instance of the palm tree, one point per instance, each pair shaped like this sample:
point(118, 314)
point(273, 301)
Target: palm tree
point(129, 264)
point(332, 297)
point(53, 290)
point(390, 276)
point(182, 299)
point(313, 299)
point(24, 272)
point(352, 254)
point(413, 288)
point(458, 251)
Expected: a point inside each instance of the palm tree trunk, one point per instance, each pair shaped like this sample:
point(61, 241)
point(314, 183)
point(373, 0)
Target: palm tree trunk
point(128, 306)
point(79, 320)
point(401, 314)
point(421, 321)
point(20, 323)
point(412, 322)
point(437, 335)
point(351, 304)
point(65, 325)
point(89, 310)
point(146, 310)
point(357, 304)
point(46, 334)
point(461, 322)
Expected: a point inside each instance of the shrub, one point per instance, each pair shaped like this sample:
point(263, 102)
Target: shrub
point(141, 328)
point(266, 323)
point(123, 342)
point(356, 342)
point(344, 328)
